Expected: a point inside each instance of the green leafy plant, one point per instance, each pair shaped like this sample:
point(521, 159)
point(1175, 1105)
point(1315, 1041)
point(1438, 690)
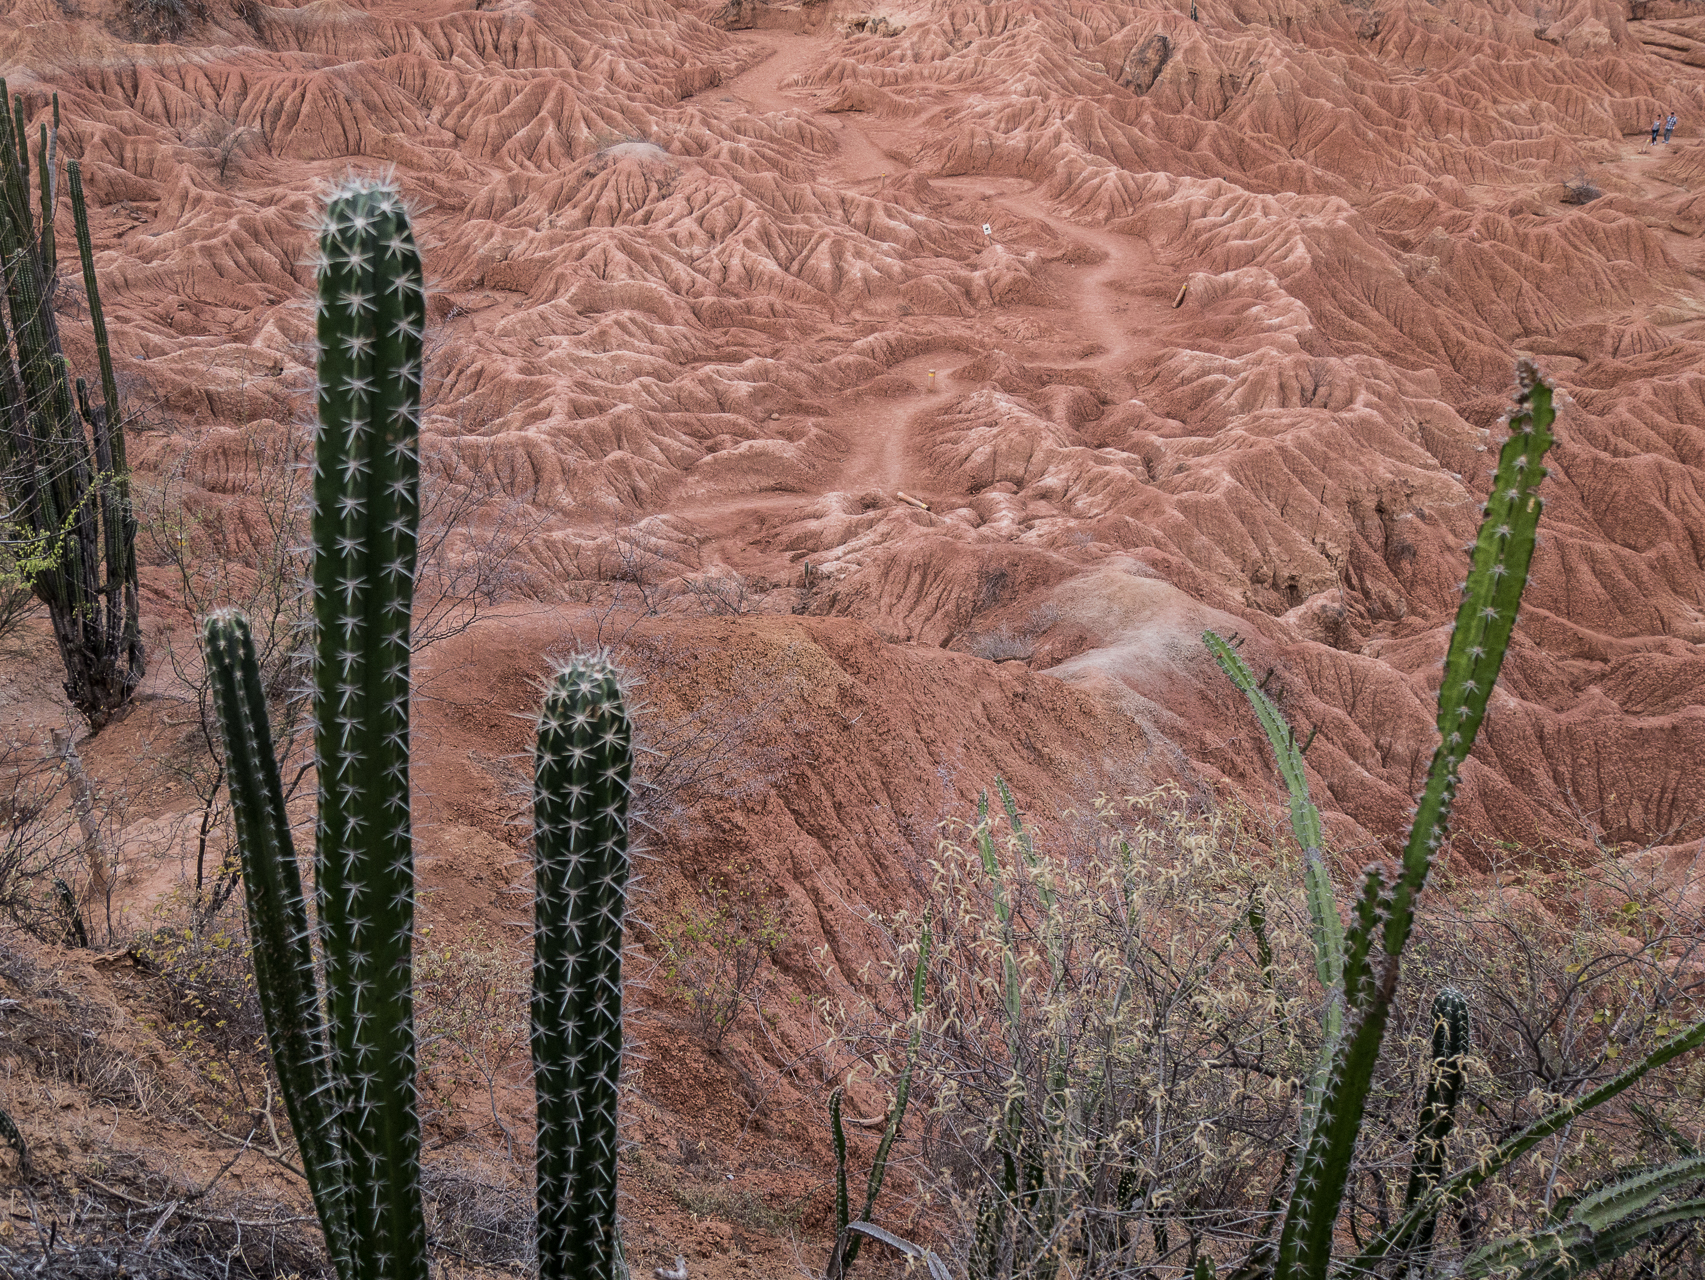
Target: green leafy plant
point(345, 1048)
point(715, 951)
point(71, 533)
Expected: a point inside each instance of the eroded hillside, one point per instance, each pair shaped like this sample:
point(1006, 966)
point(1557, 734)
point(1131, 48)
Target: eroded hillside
point(717, 322)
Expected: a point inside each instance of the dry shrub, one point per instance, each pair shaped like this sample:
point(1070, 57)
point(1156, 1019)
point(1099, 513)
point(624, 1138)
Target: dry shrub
point(1116, 1033)
point(715, 951)
point(53, 1036)
point(38, 838)
point(473, 1028)
point(158, 21)
point(1580, 189)
point(207, 1008)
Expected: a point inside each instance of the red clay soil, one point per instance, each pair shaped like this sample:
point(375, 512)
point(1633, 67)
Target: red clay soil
point(712, 298)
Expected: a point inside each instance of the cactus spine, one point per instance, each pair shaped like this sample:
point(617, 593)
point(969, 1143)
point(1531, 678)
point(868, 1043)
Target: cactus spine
point(62, 459)
point(582, 768)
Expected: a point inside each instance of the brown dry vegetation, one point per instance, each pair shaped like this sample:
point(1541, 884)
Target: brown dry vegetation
point(710, 294)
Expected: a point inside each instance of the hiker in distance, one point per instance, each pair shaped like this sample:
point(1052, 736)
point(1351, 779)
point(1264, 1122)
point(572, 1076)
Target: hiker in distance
point(1669, 126)
point(1656, 125)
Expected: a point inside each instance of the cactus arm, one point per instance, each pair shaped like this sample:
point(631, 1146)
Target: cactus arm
point(44, 163)
point(278, 917)
point(1484, 623)
point(1479, 639)
point(14, 153)
point(20, 131)
point(371, 314)
point(1610, 1205)
point(1576, 1249)
point(53, 157)
point(583, 766)
point(97, 314)
point(1010, 804)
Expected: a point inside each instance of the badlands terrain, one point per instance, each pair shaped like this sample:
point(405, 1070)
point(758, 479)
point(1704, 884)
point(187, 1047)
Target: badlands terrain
point(902, 389)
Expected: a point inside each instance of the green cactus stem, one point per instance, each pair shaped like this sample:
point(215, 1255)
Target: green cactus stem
point(352, 1075)
point(1479, 640)
point(366, 510)
point(583, 766)
point(1438, 1112)
point(278, 919)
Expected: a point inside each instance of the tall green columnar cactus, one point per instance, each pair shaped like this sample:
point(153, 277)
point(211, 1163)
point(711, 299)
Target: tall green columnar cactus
point(1375, 943)
point(348, 1079)
point(366, 510)
point(62, 465)
point(582, 768)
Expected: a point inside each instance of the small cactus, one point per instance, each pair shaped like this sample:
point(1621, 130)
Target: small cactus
point(583, 765)
point(1438, 1113)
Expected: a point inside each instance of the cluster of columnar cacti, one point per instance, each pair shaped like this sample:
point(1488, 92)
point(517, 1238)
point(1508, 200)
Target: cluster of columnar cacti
point(1618, 1217)
point(62, 464)
point(345, 1048)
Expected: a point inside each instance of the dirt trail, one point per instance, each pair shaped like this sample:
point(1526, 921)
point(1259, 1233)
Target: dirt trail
point(1100, 304)
point(1105, 302)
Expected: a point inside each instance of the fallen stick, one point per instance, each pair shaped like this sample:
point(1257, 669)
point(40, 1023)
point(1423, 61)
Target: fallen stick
point(1179, 300)
point(919, 503)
